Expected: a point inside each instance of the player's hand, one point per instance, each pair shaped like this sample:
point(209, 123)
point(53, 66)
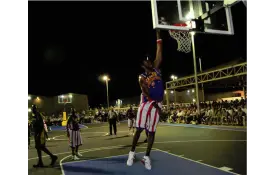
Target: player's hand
point(156, 105)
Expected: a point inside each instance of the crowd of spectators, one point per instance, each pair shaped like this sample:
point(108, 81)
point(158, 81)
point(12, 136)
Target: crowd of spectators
point(216, 112)
point(211, 113)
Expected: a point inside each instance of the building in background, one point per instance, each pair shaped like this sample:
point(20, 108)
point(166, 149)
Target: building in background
point(57, 104)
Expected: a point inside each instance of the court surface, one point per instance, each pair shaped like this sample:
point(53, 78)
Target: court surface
point(178, 149)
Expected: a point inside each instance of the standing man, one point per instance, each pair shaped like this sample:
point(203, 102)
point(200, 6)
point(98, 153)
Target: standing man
point(148, 112)
point(73, 133)
point(112, 118)
point(131, 120)
point(40, 138)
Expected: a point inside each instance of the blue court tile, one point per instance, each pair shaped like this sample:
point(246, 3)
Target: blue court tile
point(63, 128)
point(162, 164)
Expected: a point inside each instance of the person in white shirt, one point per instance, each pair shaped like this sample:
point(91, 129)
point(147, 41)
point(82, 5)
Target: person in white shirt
point(112, 117)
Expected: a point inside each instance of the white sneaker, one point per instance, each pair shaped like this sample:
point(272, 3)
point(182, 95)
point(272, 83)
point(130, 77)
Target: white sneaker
point(78, 154)
point(147, 162)
point(75, 157)
point(131, 158)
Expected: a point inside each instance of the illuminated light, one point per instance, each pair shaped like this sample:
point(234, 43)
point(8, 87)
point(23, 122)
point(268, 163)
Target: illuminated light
point(71, 96)
point(106, 78)
point(194, 100)
point(37, 98)
point(62, 96)
point(192, 33)
point(29, 110)
point(139, 77)
point(173, 77)
point(29, 97)
point(188, 91)
point(164, 92)
point(172, 92)
point(193, 90)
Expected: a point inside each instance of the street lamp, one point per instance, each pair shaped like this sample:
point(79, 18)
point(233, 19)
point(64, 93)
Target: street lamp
point(106, 79)
point(173, 77)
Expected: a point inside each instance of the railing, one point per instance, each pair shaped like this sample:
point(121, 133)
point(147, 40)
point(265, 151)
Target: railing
point(219, 74)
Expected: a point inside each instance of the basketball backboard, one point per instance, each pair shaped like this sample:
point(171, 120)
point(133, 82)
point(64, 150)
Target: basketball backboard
point(65, 98)
point(214, 16)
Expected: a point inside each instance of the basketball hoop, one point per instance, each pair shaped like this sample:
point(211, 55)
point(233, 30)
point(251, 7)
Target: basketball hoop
point(65, 101)
point(183, 38)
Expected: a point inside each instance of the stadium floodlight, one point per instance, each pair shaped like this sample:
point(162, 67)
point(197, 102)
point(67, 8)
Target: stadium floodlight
point(173, 77)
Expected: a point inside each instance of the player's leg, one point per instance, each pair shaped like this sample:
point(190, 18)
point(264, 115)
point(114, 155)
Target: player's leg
point(129, 125)
point(151, 127)
point(140, 125)
point(40, 146)
point(146, 132)
point(78, 143)
point(73, 144)
point(133, 126)
point(114, 126)
point(110, 127)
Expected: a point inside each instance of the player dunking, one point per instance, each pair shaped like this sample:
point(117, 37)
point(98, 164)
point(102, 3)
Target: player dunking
point(148, 112)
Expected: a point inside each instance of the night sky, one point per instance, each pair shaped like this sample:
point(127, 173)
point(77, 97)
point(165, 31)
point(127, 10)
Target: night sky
point(72, 43)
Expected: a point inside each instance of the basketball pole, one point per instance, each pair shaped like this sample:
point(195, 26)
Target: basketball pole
point(195, 71)
point(202, 89)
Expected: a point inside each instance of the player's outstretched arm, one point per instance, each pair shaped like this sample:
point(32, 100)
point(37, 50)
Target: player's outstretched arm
point(158, 59)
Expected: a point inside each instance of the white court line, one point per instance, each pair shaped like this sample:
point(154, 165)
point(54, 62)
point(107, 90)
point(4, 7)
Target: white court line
point(196, 161)
point(163, 142)
point(117, 146)
point(54, 138)
point(61, 166)
point(224, 168)
point(85, 127)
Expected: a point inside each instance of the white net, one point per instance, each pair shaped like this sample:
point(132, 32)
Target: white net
point(183, 39)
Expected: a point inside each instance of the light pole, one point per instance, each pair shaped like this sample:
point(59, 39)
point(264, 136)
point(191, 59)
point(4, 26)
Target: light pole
point(106, 79)
point(202, 89)
point(173, 77)
point(195, 71)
